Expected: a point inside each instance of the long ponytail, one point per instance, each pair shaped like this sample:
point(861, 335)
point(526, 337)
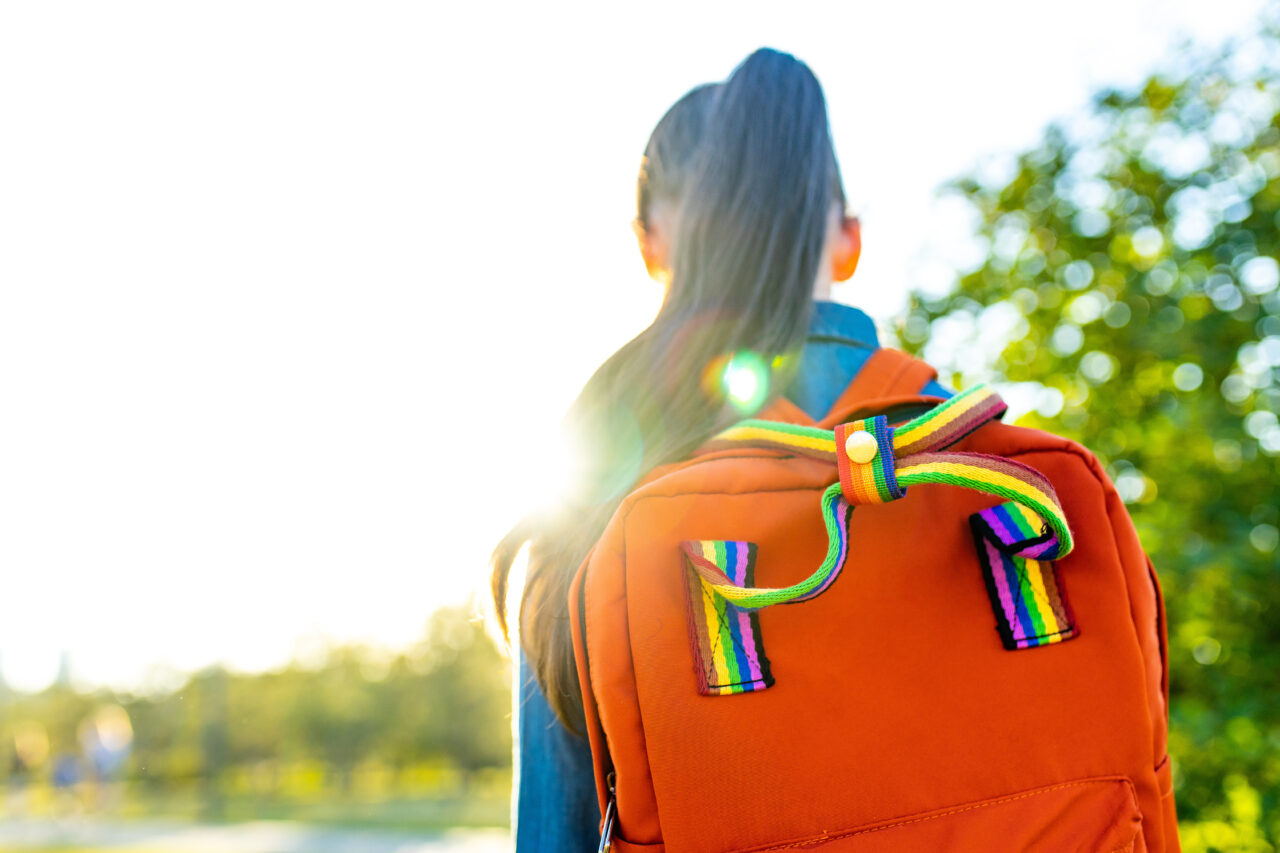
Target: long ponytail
point(747, 242)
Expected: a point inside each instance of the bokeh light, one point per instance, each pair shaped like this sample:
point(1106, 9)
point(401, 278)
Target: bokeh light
point(746, 381)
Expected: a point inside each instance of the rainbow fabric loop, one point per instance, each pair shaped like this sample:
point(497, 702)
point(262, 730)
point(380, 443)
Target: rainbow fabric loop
point(874, 481)
point(905, 455)
point(710, 566)
point(727, 643)
point(1016, 550)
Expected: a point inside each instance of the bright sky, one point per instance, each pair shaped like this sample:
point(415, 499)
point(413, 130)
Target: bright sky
point(293, 294)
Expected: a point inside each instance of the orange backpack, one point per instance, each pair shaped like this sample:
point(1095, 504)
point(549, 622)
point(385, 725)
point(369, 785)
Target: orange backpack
point(977, 663)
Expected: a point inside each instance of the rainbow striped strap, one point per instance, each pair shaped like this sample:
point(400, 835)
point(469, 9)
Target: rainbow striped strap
point(774, 435)
point(940, 427)
point(869, 464)
point(948, 422)
point(726, 638)
point(993, 475)
point(915, 457)
point(903, 456)
point(1016, 549)
point(708, 562)
point(1014, 529)
point(874, 481)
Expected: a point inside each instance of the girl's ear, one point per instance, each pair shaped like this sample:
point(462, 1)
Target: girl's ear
point(848, 248)
point(652, 248)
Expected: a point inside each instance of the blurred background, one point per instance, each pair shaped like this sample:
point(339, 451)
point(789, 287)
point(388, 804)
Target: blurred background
point(286, 287)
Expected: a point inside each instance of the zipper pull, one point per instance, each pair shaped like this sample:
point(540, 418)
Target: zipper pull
point(610, 815)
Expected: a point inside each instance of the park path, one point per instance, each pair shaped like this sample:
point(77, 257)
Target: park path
point(154, 836)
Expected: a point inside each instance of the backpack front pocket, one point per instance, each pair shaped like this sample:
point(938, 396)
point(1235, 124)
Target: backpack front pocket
point(1098, 815)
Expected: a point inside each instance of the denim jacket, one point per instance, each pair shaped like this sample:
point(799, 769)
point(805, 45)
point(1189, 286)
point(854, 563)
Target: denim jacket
point(554, 798)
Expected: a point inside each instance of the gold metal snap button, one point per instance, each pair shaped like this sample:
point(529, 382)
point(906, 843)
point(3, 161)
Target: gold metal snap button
point(860, 447)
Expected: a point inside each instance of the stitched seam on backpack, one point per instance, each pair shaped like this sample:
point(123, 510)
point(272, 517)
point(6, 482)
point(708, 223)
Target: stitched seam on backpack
point(718, 645)
point(1093, 467)
point(1023, 584)
point(823, 839)
point(639, 713)
point(629, 505)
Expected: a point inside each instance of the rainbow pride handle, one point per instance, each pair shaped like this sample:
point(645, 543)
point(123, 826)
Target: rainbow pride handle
point(874, 481)
point(1015, 530)
point(916, 457)
point(941, 426)
point(835, 514)
point(1016, 550)
point(726, 638)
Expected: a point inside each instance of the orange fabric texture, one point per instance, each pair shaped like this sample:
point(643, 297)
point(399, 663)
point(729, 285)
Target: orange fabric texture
point(897, 720)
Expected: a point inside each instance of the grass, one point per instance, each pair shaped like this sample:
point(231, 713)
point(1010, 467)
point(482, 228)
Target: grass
point(426, 804)
point(418, 813)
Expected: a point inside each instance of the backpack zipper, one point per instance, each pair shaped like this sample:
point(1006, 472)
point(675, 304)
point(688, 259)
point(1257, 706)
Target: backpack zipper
point(610, 815)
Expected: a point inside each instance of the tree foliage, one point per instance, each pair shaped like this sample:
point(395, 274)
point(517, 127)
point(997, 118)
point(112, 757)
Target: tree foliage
point(444, 702)
point(1129, 277)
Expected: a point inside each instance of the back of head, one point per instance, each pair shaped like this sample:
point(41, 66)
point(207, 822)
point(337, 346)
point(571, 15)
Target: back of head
point(750, 229)
point(669, 156)
point(750, 168)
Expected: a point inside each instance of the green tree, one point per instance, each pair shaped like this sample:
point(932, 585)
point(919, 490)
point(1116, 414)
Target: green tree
point(337, 713)
point(467, 693)
point(1130, 261)
point(232, 744)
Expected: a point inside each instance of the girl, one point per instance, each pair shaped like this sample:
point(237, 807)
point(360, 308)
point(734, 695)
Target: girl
point(741, 211)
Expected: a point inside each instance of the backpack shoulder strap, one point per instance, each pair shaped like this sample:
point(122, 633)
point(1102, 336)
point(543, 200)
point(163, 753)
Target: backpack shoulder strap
point(601, 761)
point(887, 374)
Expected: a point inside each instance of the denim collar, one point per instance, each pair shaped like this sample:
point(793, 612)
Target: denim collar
point(840, 323)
